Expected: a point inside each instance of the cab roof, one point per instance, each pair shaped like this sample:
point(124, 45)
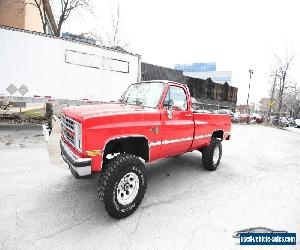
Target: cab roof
point(163, 81)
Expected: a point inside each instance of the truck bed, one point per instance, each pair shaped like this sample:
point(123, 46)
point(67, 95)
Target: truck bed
point(207, 124)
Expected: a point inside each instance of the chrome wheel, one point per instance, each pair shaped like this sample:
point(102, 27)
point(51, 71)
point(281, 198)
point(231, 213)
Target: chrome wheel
point(216, 155)
point(128, 188)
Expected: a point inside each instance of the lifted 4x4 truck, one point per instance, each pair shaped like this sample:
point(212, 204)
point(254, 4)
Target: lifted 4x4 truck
point(152, 120)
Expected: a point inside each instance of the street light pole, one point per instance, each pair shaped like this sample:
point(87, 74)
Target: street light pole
point(251, 73)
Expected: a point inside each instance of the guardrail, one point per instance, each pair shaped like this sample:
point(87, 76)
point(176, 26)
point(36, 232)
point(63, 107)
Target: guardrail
point(49, 99)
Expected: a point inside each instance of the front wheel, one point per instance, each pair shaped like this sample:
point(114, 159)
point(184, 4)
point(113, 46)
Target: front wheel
point(212, 154)
point(122, 185)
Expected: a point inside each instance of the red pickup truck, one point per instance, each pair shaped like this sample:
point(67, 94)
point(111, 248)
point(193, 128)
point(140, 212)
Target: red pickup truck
point(152, 120)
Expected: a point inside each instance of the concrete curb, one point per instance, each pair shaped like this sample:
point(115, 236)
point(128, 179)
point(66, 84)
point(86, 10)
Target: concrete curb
point(7, 125)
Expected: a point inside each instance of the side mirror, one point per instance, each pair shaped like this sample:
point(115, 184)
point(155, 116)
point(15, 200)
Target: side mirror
point(170, 109)
point(171, 103)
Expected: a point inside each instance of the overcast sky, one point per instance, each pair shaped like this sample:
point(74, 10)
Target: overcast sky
point(237, 35)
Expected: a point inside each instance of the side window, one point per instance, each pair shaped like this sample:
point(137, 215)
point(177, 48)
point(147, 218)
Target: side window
point(178, 96)
point(167, 99)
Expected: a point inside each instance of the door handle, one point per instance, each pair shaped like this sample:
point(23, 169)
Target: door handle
point(188, 115)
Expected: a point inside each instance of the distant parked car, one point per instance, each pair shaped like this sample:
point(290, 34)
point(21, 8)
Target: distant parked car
point(222, 111)
point(284, 122)
point(297, 123)
point(291, 122)
point(245, 118)
point(257, 117)
point(201, 111)
point(206, 111)
point(198, 107)
point(260, 119)
point(234, 117)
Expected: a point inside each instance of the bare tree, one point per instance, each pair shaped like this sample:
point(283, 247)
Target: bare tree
point(292, 100)
point(68, 7)
point(41, 6)
point(114, 40)
point(283, 67)
point(113, 36)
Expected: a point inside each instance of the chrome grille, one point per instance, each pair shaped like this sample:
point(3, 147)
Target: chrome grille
point(70, 138)
point(68, 129)
point(68, 122)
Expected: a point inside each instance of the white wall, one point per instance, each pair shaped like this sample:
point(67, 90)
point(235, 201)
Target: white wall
point(39, 62)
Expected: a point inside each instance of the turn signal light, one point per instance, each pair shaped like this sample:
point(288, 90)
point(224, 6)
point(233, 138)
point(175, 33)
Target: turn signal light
point(93, 152)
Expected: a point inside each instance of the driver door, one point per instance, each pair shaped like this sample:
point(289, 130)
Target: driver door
point(178, 128)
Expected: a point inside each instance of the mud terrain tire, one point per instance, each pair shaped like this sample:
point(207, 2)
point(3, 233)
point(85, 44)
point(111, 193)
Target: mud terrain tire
point(212, 154)
point(122, 185)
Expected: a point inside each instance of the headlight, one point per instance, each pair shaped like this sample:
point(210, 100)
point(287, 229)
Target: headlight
point(78, 139)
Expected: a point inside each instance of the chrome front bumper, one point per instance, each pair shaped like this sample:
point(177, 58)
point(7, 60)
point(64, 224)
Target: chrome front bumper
point(78, 166)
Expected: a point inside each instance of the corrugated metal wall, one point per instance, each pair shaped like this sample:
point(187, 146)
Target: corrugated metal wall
point(154, 72)
point(206, 90)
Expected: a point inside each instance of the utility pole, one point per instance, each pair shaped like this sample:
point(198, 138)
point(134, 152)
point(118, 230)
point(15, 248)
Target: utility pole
point(271, 103)
point(251, 73)
point(295, 99)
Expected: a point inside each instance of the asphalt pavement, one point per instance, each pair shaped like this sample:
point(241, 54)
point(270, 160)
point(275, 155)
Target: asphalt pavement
point(185, 207)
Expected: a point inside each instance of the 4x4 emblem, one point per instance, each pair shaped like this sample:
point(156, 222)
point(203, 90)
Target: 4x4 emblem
point(155, 130)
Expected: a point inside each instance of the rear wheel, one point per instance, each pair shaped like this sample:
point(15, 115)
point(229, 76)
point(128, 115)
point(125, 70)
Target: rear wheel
point(122, 185)
point(212, 154)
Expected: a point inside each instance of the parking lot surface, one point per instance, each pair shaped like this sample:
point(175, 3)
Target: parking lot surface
point(185, 207)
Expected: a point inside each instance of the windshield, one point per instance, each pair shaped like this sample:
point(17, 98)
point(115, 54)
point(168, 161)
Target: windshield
point(146, 94)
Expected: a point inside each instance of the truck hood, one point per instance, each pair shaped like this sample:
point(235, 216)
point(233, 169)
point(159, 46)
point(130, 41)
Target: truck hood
point(89, 111)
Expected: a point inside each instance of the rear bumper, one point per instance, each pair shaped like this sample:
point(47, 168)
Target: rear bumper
point(78, 166)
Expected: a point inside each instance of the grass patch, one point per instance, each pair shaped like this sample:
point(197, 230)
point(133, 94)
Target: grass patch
point(34, 113)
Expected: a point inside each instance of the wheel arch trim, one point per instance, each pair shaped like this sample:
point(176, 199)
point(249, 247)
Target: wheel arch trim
point(118, 137)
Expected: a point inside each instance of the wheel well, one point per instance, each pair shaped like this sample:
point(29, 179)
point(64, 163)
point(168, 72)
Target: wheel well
point(218, 134)
point(132, 145)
